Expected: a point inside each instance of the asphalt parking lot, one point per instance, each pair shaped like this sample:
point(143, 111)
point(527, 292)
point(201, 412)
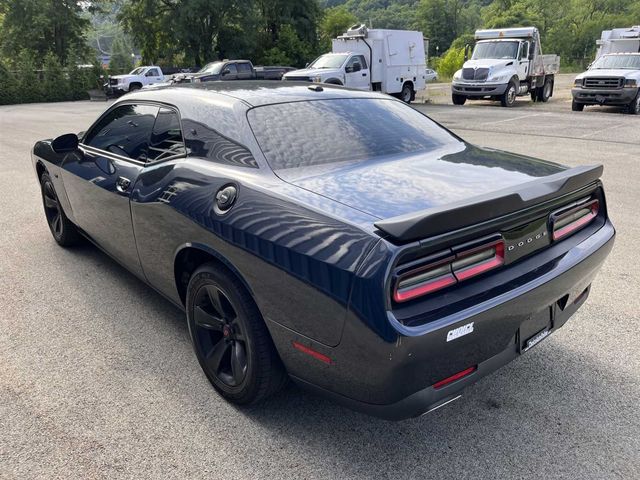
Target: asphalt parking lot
point(98, 379)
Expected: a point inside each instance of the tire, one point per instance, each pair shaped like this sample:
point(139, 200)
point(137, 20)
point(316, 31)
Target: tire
point(134, 86)
point(577, 107)
point(406, 94)
point(508, 98)
point(544, 93)
point(458, 99)
point(534, 95)
point(64, 232)
point(230, 338)
point(634, 107)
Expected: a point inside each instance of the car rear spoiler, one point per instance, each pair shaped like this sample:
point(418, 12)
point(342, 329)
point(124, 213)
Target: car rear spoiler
point(446, 218)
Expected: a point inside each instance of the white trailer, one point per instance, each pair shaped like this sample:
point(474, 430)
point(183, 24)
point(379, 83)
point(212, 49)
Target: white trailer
point(389, 61)
point(619, 40)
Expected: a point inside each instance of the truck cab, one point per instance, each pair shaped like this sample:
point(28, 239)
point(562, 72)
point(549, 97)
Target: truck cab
point(344, 68)
point(505, 64)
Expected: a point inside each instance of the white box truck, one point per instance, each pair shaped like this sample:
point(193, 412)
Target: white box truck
point(506, 63)
point(619, 40)
point(389, 61)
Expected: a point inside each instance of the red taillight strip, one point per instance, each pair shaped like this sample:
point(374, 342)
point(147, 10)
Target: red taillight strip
point(593, 207)
point(455, 376)
point(485, 265)
point(422, 289)
point(312, 352)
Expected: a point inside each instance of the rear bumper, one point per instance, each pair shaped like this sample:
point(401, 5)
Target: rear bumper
point(597, 96)
point(394, 380)
point(478, 89)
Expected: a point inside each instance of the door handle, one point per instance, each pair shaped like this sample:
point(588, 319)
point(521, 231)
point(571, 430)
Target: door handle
point(122, 184)
point(364, 74)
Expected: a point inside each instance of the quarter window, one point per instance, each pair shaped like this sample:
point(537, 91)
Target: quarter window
point(166, 137)
point(124, 131)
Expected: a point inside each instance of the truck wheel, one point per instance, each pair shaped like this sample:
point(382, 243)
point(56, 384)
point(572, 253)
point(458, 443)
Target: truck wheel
point(534, 95)
point(134, 86)
point(508, 99)
point(458, 99)
point(634, 106)
point(406, 95)
point(577, 107)
point(545, 92)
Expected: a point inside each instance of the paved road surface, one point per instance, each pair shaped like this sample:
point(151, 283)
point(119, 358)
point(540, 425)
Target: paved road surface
point(98, 380)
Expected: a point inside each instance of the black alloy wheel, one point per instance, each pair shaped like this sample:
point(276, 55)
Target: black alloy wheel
point(64, 232)
point(220, 336)
point(230, 338)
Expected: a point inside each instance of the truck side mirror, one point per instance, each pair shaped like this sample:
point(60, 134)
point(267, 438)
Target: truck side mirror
point(226, 71)
point(306, 65)
point(466, 52)
point(65, 143)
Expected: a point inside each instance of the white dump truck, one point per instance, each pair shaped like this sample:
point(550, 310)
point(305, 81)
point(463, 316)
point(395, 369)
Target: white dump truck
point(506, 63)
point(389, 61)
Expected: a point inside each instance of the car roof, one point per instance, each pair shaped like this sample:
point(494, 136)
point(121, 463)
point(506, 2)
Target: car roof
point(250, 92)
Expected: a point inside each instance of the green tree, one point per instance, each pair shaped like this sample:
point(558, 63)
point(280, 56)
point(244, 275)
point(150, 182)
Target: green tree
point(54, 86)
point(42, 26)
point(29, 87)
point(335, 22)
point(442, 21)
point(8, 85)
point(121, 60)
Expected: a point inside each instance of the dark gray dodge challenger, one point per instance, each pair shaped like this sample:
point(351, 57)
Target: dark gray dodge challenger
point(336, 237)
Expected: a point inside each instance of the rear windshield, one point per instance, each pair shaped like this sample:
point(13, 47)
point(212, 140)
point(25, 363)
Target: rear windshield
point(320, 132)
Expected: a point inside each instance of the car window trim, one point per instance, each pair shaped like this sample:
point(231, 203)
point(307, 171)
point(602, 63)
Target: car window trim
point(122, 157)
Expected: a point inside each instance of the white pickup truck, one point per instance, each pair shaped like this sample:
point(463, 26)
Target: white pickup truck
point(506, 63)
point(134, 80)
point(389, 61)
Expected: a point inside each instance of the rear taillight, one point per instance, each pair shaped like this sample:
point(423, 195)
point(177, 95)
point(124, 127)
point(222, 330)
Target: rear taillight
point(436, 276)
point(574, 218)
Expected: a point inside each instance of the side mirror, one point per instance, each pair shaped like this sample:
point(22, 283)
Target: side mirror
point(226, 71)
point(348, 69)
point(306, 65)
point(466, 52)
point(65, 143)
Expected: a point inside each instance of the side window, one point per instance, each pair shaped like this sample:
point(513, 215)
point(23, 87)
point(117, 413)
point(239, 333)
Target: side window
point(355, 60)
point(524, 50)
point(231, 67)
point(203, 141)
point(166, 137)
point(363, 61)
point(153, 73)
point(244, 68)
point(125, 131)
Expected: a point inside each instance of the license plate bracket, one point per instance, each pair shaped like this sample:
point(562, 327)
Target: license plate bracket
point(535, 329)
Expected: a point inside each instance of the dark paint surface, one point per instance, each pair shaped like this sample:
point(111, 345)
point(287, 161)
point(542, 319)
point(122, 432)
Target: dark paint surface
point(307, 250)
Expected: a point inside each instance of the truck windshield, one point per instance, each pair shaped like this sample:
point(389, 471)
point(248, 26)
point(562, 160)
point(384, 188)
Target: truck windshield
point(330, 60)
point(213, 67)
point(322, 132)
point(625, 62)
point(495, 50)
point(137, 71)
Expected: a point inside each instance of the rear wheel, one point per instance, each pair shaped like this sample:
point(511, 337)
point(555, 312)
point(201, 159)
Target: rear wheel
point(634, 106)
point(458, 99)
point(406, 95)
point(508, 99)
point(577, 107)
point(64, 232)
point(545, 92)
point(230, 338)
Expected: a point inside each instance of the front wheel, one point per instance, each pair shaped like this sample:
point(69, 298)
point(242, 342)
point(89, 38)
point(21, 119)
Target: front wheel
point(64, 232)
point(508, 98)
point(577, 107)
point(230, 338)
point(458, 99)
point(634, 106)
